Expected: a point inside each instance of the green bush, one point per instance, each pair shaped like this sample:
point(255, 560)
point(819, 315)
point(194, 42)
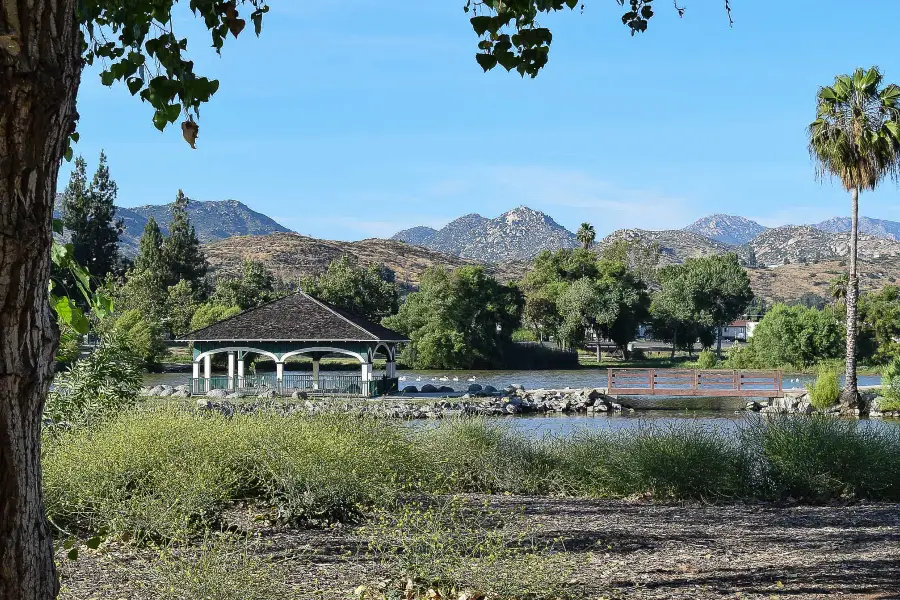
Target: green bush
point(820, 458)
point(826, 390)
point(209, 313)
point(707, 360)
point(97, 386)
point(142, 333)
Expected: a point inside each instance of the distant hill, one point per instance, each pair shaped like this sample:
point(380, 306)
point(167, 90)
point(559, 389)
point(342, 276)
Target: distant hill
point(799, 244)
point(728, 229)
point(292, 256)
point(675, 245)
point(418, 236)
point(517, 235)
point(213, 220)
point(867, 225)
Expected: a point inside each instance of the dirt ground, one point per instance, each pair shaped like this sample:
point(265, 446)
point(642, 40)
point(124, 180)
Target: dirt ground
point(616, 550)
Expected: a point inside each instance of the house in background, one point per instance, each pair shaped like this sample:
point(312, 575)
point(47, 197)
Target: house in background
point(739, 331)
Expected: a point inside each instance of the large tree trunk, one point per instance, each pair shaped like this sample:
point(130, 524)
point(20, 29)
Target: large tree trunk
point(849, 395)
point(40, 67)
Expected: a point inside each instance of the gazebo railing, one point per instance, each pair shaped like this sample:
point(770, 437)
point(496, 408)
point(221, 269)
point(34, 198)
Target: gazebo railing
point(352, 385)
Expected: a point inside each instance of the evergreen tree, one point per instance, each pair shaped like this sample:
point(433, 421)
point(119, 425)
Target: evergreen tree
point(184, 256)
point(89, 215)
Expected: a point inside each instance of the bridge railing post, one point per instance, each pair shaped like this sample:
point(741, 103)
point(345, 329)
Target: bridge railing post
point(652, 377)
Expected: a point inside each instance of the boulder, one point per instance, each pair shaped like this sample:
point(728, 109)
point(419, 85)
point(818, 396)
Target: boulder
point(446, 389)
point(181, 394)
point(165, 392)
point(410, 389)
point(429, 389)
point(488, 389)
point(267, 394)
point(512, 409)
point(298, 395)
point(474, 388)
point(216, 394)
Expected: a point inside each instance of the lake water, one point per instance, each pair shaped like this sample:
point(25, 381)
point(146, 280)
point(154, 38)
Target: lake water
point(531, 380)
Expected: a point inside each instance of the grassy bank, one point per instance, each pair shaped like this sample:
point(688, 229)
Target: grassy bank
point(199, 503)
point(164, 473)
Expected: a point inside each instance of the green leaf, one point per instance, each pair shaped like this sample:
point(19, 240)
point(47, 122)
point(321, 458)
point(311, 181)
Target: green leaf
point(107, 78)
point(135, 84)
point(487, 61)
point(75, 137)
point(159, 120)
point(73, 554)
point(60, 253)
point(68, 154)
point(481, 24)
point(69, 543)
point(173, 111)
point(57, 228)
point(94, 542)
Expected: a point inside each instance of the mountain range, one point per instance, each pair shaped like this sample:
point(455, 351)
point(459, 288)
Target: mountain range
point(792, 260)
point(519, 234)
point(212, 220)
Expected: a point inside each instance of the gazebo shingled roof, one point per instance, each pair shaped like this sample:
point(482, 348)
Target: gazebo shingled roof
point(297, 317)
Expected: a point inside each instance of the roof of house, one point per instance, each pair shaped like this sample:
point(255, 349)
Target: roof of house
point(738, 323)
point(297, 317)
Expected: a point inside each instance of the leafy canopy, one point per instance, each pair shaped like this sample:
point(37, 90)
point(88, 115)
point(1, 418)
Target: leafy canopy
point(368, 292)
point(458, 319)
point(856, 134)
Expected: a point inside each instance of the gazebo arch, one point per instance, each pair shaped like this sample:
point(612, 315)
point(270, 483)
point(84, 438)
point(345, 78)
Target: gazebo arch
point(291, 326)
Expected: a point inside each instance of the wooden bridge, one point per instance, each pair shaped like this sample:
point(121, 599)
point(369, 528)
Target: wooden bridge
point(687, 382)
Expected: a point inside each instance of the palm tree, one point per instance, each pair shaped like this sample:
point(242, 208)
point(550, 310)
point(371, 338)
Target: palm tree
point(586, 235)
point(856, 138)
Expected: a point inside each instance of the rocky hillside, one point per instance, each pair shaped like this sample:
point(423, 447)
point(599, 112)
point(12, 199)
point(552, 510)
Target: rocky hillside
point(675, 245)
point(418, 236)
point(292, 256)
point(517, 235)
point(805, 244)
point(728, 229)
point(792, 281)
point(867, 225)
point(213, 220)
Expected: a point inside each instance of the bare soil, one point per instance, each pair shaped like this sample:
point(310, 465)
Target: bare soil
point(616, 550)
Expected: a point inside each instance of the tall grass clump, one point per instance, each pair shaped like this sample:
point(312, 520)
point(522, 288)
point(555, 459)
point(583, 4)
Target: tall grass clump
point(826, 390)
point(164, 474)
point(818, 458)
point(679, 462)
point(484, 455)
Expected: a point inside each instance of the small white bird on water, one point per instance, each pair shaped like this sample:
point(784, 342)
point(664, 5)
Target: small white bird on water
point(471, 378)
point(456, 379)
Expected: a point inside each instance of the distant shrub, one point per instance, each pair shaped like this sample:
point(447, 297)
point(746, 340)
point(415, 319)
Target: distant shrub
point(825, 391)
point(707, 360)
point(523, 334)
point(142, 333)
point(209, 313)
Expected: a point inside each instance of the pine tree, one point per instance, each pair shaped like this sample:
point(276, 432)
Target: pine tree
point(150, 251)
point(89, 214)
point(183, 254)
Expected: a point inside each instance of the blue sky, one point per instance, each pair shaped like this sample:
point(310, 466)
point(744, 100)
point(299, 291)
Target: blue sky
point(349, 119)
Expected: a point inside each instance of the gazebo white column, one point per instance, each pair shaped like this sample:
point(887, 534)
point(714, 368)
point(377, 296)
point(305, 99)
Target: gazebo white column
point(390, 367)
point(195, 381)
point(240, 368)
point(231, 358)
point(315, 372)
point(367, 371)
point(207, 368)
point(279, 371)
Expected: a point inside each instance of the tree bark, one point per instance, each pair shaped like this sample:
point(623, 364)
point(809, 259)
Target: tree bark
point(40, 65)
point(850, 394)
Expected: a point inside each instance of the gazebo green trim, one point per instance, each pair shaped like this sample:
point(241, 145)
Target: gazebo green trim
point(295, 325)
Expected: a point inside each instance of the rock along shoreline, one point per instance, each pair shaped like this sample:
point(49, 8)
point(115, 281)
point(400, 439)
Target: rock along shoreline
point(478, 401)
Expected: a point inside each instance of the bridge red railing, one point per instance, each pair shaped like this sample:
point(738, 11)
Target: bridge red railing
point(694, 382)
